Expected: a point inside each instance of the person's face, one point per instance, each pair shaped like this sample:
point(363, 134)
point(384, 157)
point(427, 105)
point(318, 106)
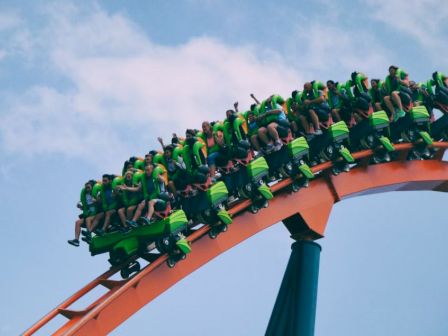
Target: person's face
point(307, 87)
point(392, 71)
point(88, 187)
point(206, 128)
point(188, 135)
point(167, 153)
point(251, 117)
point(106, 181)
point(128, 176)
point(228, 113)
point(330, 86)
point(374, 84)
point(129, 166)
point(148, 159)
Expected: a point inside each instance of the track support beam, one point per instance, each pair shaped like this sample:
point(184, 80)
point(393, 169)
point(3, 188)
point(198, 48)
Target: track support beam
point(294, 312)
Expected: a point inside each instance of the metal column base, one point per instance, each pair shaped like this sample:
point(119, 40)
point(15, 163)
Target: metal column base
point(294, 311)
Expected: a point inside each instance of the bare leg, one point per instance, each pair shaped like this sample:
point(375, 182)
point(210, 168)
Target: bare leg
point(305, 124)
point(272, 130)
point(150, 209)
point(263, 135)
point(255, 143)
point(109, 214)
point(130, 211)
point(96, 221)
point(171, 188)
point(389, 105)
point(139, 211)
point(397, 100)
point(336, 115)
point(314, 119)
point(122, 215)
point(78, 225)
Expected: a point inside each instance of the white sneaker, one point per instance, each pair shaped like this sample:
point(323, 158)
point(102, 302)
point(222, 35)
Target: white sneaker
point(318, 132)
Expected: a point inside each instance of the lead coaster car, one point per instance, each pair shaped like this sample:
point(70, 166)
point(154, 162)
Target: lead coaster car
point(167, 234)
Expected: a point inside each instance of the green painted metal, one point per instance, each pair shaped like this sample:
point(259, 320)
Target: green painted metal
point(217, 193)
point(126, 247)
point(338, 129)
point(265, 191)
point(377, 119)
point(426, 137)
point(419, 113)
point(144, 234)
point(298, 147)
point(306, 171)
point(386, 143)
point(184, 245)
point(257, 168)
point(225, 217)
point(345, 153)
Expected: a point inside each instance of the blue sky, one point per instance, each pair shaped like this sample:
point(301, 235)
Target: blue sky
point(84, 85)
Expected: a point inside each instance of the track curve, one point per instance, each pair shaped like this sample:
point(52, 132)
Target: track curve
point(313, 205)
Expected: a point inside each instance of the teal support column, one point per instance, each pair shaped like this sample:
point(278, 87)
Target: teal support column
point(294, 312)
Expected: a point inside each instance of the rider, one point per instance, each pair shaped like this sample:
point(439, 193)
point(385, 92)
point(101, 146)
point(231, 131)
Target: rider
point(272, 117)
point(214, 141)
point(396, 79)
point(108, 203)
point(339, 101)
point(360, 98)
point(127, 198)
point(376, 93)
point(88, 206)
point(150, 183)
point(316, 108)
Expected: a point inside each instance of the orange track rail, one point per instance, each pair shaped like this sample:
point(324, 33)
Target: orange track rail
point(314, 204)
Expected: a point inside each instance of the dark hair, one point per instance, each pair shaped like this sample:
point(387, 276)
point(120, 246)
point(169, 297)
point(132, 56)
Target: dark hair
point(253, 106)
point(375, 80)
point(152, 152)
point(190, 132)
point(353, 75)
point(330, 81)
point(294, 94)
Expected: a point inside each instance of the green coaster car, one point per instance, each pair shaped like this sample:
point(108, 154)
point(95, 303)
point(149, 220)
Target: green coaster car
point(255, 186)
point(373, 133)
point(167, 234)
point(298, 151)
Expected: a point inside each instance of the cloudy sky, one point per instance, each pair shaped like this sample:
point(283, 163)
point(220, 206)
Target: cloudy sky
point(86, 84)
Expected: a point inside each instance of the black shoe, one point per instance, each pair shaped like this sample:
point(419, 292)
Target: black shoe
point(74, 242)
point(145, 220)
point(131, 223)
point(100, 232)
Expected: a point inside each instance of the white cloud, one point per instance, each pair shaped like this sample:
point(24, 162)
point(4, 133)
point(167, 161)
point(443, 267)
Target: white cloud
point(125, 90)
point(424, 20)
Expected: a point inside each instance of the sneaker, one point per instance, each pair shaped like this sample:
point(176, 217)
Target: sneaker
point(145, 220)
point(318, 132)
point(74, 242)
point(100, 232)
point(126, 229)
point(132, 223)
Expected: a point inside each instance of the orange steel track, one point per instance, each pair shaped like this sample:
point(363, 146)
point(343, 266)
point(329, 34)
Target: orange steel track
point(313, 204)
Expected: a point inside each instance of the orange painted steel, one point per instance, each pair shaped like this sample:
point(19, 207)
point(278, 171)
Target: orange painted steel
point(314, 205)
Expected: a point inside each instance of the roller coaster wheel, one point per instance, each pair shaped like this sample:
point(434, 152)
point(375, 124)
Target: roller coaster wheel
point(124, 273)
point(265, 204)
point(346, 167)
point(306, 183)
point(254, 209)
point(224, 228)
point(171, 262)
point(212, 234)
point(335, 170)
point(295, 187)
point(183, 256)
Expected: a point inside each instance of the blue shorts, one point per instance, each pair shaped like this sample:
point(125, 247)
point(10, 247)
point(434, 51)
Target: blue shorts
point(211, 158)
